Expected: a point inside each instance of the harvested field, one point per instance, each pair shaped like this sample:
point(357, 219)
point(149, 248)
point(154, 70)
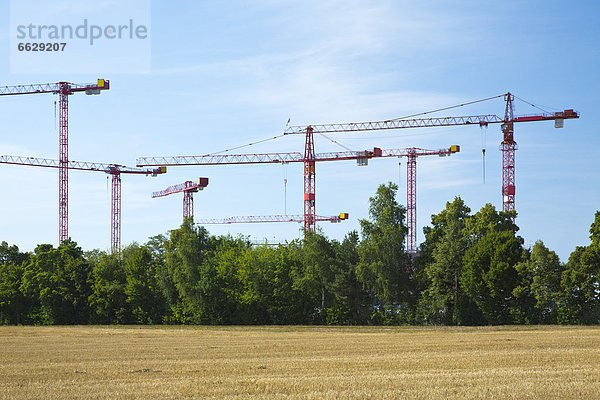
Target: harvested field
point(299, 362)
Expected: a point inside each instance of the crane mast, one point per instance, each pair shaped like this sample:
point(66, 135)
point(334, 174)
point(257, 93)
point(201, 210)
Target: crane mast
point(309, 182)
point(309, 159)
point(508, 148)
point(508, 145)
point(63, 89)
point(188, 188)
point(115, 170)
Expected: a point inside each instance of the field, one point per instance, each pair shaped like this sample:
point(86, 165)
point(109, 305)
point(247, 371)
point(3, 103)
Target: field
point(299, 362)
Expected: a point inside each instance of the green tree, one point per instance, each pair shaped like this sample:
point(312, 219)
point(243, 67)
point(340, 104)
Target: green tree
point(108, 300)
point(188, 260)
point(316, 273)
point(579, 301)
point(384, 264)
point(58, 278)
point(539, 288)
point(174, 305)
point(488, 220)
point(489, 276)
point(239, 283)
point(287, 304)
point(595, 231)
point(260, 283)
point(144, 296)
point(13, 302)
point(351, 304)
point(446, 241)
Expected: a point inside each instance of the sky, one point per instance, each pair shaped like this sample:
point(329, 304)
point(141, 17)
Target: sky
point(226, 74)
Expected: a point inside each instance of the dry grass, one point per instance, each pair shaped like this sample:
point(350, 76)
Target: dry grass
point(299, 362)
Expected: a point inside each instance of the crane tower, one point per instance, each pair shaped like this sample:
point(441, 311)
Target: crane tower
point(63, 89)
point(115, 170)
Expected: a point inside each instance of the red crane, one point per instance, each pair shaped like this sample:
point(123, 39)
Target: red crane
point(188, 188)
point(63, 89)
point(508, 145)
point(411, 191)
point(270, 218)
point(309, 160)
point(115, 170)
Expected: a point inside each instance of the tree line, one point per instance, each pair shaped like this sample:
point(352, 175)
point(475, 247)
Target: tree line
point(472, 269)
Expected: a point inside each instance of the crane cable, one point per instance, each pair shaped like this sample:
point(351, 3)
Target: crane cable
point(483, 146)
point(246, 145)
point(448, 108)
point(345, 147)
point(399, 173)
point(395, 119)
point(336, 142)
point(535, 106)
point(284, 187)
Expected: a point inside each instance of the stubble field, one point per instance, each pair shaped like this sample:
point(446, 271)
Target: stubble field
point(299, 362)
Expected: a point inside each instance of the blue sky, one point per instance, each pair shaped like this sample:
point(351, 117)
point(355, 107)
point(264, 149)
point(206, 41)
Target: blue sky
point(228, 74)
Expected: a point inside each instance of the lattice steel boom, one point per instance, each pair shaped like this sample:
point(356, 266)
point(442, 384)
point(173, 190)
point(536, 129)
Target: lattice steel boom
point(63, 89)
point(188, 188)
point(113, 169)
point(309, 160)
point(270, 218)
point(508, 145)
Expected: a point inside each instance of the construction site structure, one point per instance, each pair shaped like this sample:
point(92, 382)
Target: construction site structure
point(411, 191)
point(63, 89)
point(309, 159)
point(271, 218)
point(188, 188)
point(115, 170)
point(508, 145)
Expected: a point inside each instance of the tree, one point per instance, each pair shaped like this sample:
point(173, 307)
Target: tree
point(351, 304)
point(108, 300)
point(446, 241)
point(488, 220)
point(144, 297)
point(287, 303)
point(187, 259)
point(316, 273)
point(489, 276)
point(13, 302)
point(58, 279)
point(383, 266)
point(240, 284)
point(539, 288)
point(580, 296)
point(595, 231)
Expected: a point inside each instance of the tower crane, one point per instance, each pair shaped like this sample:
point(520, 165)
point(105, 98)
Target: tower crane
point(115, 170)
point(188, 188)
point(309, 159)
point(63, 89)
point(270, 218)
point(411, 191)
point(508, 145)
